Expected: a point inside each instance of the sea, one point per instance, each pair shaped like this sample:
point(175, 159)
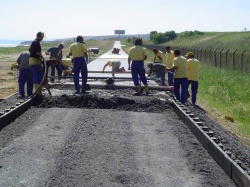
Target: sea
point(10, 43)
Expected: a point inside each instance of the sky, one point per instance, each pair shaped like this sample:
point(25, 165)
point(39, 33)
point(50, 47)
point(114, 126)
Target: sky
point(22, 19)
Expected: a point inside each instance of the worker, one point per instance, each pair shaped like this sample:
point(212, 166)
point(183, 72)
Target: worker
point(78, 52)
point(25, 74)
point(169, 64)
point(180, 76)
point(115, 64)
point(151, 70)
point(35, 61)
point(137, 54)
point(193, 76)
point(159, 68)
point(56, 54)
point(65, 68)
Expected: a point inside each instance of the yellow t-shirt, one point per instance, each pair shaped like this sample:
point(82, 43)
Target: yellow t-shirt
point(34, 61)
point(157, 55)
point(137, 53)
point(182, 69)
point(193, 69)
point(109, 63)
point(170, 59)
point(77, 49)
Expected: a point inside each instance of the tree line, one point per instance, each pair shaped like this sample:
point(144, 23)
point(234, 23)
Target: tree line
point(159, 37)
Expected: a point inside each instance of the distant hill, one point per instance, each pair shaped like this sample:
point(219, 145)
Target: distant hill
point(232, 40)
point(143, 36)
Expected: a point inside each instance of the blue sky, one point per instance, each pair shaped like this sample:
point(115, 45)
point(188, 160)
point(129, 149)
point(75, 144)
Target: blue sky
point(22, 19)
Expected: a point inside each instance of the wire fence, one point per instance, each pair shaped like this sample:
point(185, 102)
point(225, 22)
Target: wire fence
point(221, 58)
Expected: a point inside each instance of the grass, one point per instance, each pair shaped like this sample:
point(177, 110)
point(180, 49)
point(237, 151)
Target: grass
point(11, 50)
point(231, 40)
point(228, 91)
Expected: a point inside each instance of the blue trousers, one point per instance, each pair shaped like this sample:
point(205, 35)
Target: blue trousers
point(194, 89)
point(137, 68)
point(80, 66)
point(160, 72)
point(59, 72)
point(37, 73)
point(180, 83)
point(25, 76)
point(171, 78)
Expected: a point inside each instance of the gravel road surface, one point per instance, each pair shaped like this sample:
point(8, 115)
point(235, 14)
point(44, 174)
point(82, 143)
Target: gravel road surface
point(135, 141)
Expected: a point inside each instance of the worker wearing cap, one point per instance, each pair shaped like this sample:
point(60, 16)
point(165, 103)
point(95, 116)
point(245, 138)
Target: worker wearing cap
point(169, 64)
point(115, 64)
point(180, 77)
point(193, 75)
point(78, 52)
point(35, 60)
point(56, 54)
point(159, 68)
point(25, 74)
point(137, 54)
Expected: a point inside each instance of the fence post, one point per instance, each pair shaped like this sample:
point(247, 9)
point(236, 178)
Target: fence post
point(215, 63)
point(226, 56)
point(241, 59)
point(201, 52)
point(197, 52)
point(234, 57)
point(209, 54)
point(220, 56)
point(205, 50)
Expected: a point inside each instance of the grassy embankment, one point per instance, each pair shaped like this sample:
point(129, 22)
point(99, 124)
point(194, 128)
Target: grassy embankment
point(226, 92)
point(8, 84)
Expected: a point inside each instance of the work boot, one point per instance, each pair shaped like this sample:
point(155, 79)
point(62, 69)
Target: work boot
point(138, 90)
point(39, 90)
point(146, 89)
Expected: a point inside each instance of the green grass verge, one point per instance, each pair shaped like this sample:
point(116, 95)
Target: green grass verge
point(12, 50)
point(228, 91)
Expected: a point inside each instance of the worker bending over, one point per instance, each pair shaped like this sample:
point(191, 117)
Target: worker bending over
point(159, 67)
point(25, 74)
point(115, 64)
point(56, 54)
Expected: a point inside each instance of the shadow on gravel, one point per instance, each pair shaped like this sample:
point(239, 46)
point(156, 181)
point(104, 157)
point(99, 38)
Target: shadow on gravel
point(138, 104)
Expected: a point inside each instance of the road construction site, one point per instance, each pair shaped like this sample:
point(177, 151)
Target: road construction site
point(108, 137)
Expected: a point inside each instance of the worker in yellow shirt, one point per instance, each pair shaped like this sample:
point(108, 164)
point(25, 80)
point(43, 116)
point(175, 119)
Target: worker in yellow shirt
point(35, 61)
point(137, 54)
point(159, 68)
point(180, 76)
point(115, 64)
point(194, 67)
point(169, 64)
point(78, 52)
